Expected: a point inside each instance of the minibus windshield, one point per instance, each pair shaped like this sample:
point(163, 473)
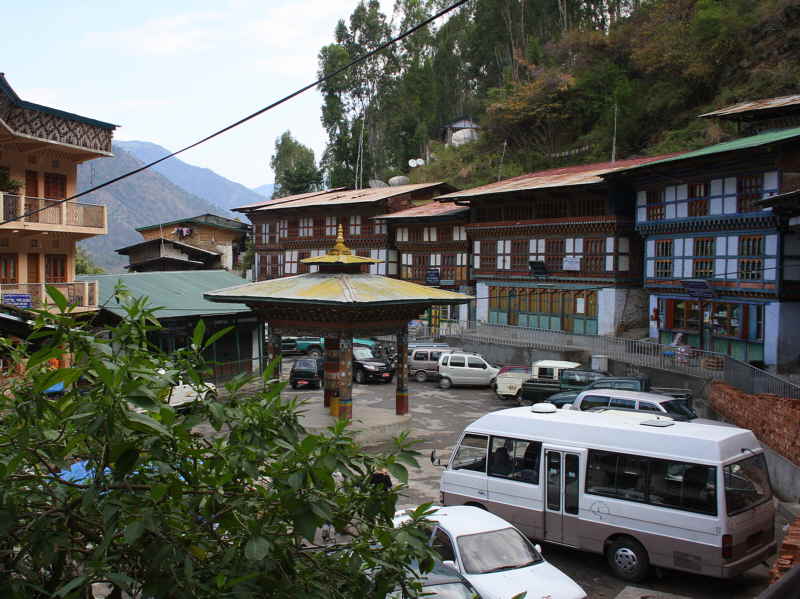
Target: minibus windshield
point(496, 551)
point(746, 484)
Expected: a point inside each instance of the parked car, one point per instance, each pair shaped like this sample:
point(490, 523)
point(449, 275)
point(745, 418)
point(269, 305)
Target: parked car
point(314, 347)
point(628, 383)
point(574, 379)
point(461, 368)
point(181, 395)
point(616, 399)
point(542, 373)
point(495, 557)
point(423, 361)
point(367, 367)
point(307, 373)
point(443, 582)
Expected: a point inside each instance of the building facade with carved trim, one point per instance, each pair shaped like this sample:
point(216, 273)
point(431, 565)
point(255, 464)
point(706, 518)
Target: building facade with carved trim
point(40, 149)
point(556, 250)
point(703, 219)
point(432, 248)
point(287, 230)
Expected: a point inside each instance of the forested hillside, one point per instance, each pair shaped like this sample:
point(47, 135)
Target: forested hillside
point(547, 80)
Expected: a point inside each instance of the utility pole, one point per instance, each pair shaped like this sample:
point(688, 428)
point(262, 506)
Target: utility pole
point(614, 139)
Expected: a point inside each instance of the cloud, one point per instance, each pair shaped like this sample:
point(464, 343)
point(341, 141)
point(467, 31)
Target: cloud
point(178, 34)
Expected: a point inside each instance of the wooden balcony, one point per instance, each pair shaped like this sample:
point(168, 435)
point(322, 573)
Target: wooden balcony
point(80, 294)
point(85, 220)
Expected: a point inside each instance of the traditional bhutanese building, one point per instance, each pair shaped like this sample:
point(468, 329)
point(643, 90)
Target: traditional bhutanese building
point(705, 225)
point(432, 248)
point(204, 242)
point(557, 250)
point(40, 150)
point(288, 230)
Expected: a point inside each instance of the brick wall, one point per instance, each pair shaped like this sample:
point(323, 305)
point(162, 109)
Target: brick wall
point(788, 554)
point(774, 420)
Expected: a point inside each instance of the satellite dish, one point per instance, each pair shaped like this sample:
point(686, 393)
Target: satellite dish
point(377, 183)
point(412, 163)
point(420, 162)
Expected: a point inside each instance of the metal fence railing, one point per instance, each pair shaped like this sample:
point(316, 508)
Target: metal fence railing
point(643, 353)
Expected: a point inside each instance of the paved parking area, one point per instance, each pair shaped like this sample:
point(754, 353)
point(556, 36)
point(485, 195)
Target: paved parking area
point(440, 415)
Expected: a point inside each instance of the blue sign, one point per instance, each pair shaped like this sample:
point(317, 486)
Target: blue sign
point(18, 300)
point(432, 276)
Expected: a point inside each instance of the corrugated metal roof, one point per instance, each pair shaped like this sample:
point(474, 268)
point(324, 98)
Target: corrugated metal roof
point(336, 289)
point(352, 196)
point(208, 219)
point(762, 139)
point(568, 176)
point(176, 293)
point(283, 200)
point(159, 240)
point(755, 105)
point(426, 210)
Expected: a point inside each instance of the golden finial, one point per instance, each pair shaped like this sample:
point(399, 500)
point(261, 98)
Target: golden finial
point(339, 248)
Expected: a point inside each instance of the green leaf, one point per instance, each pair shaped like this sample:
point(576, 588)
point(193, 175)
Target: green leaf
point(305, 525)
point(398, 471)
point(158, 491)
point(199, 333)
point(216, 336)
point(144, 421)
point(73, 584)
point(57, 297)
point(295, 479)
point(133, 531)
point(126, 462)
point(257, 549)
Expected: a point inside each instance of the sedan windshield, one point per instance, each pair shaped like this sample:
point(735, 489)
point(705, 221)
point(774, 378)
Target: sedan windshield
point(680, 409)
point(495, 551)
point(362, 353)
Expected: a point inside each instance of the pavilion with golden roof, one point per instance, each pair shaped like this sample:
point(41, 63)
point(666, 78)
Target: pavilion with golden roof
point(339, 302)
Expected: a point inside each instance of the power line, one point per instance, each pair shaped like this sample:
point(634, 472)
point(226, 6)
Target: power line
point(294, 94)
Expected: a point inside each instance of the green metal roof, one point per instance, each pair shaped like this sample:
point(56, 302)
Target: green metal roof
point(762, 139)
point(177, 293)
point(210, 220)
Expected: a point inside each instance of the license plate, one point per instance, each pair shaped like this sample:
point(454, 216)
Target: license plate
point(302, 382)
point(385, 375)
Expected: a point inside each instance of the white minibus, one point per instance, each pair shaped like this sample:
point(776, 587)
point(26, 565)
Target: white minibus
point(641, 489)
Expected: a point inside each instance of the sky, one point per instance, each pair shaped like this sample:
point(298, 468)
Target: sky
point(173, 71)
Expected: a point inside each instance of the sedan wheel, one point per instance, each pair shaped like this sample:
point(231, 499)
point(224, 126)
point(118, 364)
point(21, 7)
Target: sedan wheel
point(361, 378)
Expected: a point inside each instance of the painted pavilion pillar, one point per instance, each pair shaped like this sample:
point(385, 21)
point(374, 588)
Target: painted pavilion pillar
point(345, 385)
point(401, 375)
point(331, 370)
point(274, 350)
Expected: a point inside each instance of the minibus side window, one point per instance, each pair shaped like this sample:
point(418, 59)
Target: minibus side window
point(515, 459)
point(679, 485)
point(435, 356)
point(601, 473)
point(618, 402)
point(471, 454)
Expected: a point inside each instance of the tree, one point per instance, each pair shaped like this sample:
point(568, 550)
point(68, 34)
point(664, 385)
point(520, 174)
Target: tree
point(294, 167)
point(167, 512)
point(84, 264)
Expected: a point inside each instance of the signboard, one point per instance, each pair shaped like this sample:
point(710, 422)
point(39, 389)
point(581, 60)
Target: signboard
point(698, 288)
point(18, 300)
point(572, 263)
point(432, 276)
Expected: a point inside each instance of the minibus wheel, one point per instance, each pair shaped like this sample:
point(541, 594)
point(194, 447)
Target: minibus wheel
point(628, 559)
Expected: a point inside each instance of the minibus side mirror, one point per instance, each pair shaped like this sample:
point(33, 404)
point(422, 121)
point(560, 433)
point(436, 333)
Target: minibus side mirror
point(435, 460)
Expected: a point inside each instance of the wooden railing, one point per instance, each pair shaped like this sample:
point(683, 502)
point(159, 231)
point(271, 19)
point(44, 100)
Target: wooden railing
point(82, 294)
point(50, 212)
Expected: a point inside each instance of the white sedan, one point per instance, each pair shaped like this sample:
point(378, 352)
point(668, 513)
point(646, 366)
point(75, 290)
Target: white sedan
point(496, 558)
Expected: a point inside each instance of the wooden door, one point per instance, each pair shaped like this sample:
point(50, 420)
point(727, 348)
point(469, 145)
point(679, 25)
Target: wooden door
point(31, 192)
point(33, 269)
point(55, 266)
